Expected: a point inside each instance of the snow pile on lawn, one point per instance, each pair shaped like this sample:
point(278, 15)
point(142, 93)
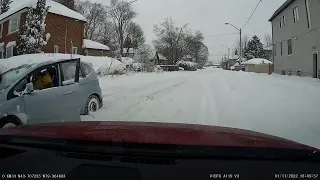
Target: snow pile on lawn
point(187, 65)
point(127, 60)
point(55, 8)
point(105, 65)
point(258, 61)
point(102, 65)
point(94, 45)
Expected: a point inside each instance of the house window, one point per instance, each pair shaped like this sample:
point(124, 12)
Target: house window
point(74, 50)
point(308, 13)
point(284, 20)
point(14, 25)
point(10, 51)
point(86, 52)
point(1, 51)
point(281, 22)
point(281, 49)
point(289, 47)
point(295, 14)
point(56, 49)
point(275, 49)
point(1, 29)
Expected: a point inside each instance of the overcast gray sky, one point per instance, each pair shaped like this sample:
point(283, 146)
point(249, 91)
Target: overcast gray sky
point(209, 17)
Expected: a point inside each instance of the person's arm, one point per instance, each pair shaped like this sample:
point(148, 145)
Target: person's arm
point(47, 81)
point(49, 85)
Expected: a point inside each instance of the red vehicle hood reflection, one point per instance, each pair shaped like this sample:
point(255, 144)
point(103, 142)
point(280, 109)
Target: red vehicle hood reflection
point(154, 133)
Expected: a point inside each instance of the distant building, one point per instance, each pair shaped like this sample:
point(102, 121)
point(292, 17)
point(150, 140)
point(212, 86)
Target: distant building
point(159, 59)
point(92, 48)
point(65, 26)
point(128, 52)
point(296, 38)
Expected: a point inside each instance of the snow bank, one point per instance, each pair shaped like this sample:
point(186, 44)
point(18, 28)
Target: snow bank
point(187, 65)
point(56, 8)
point(258, 61)
point(127, 60)
point(102, 65)
point(94, 45)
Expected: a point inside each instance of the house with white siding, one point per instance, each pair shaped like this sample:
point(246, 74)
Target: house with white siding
point(296, 38)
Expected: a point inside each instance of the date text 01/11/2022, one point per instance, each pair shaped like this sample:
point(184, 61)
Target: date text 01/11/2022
point(296, 176)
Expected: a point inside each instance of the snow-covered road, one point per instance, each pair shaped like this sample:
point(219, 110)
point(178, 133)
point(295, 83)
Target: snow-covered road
point(279, 105)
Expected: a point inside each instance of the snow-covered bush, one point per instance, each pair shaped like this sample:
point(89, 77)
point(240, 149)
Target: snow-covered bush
point(32, 36)
point(187, 66)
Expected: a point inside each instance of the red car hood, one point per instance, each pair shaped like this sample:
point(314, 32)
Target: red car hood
point(154, 133)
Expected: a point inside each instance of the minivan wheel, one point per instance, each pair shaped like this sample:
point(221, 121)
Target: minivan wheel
point(92, 105)
point(8, 123)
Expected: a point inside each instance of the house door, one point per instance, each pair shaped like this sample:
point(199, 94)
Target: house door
point(315, 65)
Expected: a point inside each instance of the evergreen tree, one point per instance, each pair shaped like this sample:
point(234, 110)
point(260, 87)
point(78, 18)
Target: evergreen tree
point(32, 36)
point(68, 3)
point(254, 49)
point(5, 5)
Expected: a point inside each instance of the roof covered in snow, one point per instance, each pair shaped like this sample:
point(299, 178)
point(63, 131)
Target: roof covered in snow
point(55, 8)
point(286, 4)
point(161, 57)
point(258, 61)
point(89, 44)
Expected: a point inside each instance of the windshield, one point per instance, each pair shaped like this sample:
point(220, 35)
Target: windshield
point(251, 65)
point(12, 75)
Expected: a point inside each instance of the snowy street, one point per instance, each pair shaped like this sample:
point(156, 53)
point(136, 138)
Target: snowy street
point(278, 105)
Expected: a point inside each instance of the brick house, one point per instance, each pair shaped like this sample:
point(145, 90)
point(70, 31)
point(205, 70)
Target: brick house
point(92, 48)
point(65, 26)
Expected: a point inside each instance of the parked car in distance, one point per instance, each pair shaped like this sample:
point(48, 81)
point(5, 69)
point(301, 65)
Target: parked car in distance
point(74, 89)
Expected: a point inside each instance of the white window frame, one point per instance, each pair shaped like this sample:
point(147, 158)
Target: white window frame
point(290, 46)
point(308, 13)
point(10, 24)
point(295, 14)
point(1, 50)
point(76, 50)
point(11, 49)
point(56, 49)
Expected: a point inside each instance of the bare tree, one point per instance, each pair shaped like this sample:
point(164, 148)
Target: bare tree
point(122, 13)
point(175, 43)
point(268, 41)
point(108, 35)
point(68, 3)
point(134, 36)
point(95, 14)
point(245, 40)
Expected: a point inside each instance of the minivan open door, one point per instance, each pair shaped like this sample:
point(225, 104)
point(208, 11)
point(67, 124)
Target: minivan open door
point(58, 104)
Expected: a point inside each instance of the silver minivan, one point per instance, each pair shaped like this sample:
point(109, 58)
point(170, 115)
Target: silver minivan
point(74, 90)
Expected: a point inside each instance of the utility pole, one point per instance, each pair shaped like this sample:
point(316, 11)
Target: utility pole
point(240, 44)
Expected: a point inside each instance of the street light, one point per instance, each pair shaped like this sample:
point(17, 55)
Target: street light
point(239, 29)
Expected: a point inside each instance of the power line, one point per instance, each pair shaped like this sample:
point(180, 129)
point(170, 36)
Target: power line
point(252, 14)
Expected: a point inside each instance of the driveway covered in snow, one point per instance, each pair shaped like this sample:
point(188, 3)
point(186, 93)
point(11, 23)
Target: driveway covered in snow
point(278, 105)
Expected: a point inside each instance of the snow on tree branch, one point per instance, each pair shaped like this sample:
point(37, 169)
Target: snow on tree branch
point(32, 36)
